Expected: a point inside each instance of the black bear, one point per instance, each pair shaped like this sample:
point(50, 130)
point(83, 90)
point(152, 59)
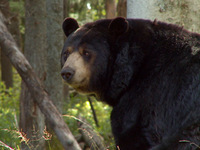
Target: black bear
point(148, 71)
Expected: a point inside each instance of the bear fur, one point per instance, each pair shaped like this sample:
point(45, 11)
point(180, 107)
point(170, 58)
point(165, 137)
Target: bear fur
point(149, 72)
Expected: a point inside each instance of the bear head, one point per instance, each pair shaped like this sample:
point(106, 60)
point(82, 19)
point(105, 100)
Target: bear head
point(89, 53)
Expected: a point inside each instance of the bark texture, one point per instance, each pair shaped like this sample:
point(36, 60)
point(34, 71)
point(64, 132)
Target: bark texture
point(121, 8)
point(6, 67)
point(53, 82)
point(181, 12)
point(110, 9)
point(32, 121)
point(90, 137)
point(36, 88)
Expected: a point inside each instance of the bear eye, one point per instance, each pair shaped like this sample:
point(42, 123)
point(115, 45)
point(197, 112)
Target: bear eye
point(86, 53)
point(65, 55)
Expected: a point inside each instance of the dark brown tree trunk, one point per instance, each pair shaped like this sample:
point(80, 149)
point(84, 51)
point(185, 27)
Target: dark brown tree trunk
point(31, 119)
point(66, 4)
point(36, 88)
point(6, 71)
point(53, 82)
point(110, 9)
point(122, 8)
point(6, 67)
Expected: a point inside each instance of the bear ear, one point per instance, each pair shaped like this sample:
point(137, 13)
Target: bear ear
point(69, 25)
point(118, 26)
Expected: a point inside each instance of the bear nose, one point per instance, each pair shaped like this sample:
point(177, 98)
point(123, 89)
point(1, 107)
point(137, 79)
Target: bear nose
point(67, 73)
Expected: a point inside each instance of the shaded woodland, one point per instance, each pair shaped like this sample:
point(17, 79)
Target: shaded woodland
point(34, 29)
point(37, 110)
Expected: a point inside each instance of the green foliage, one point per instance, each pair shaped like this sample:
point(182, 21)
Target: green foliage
point(87, 10)
point(79, 105)
point(17, 7)
point(9, 113)
point(84, 11)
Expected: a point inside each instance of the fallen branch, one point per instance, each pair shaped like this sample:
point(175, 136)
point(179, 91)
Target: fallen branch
point(36, 88)
point(93, 112)
point(90, 137)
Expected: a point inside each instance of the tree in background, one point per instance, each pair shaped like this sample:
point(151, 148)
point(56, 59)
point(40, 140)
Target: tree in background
point(181, 12)
point(32, 121)
point(42, 39)
point(53, 82)
point(110, 9)
point(54, 19)
point(122, 8)
point(13, 26)
point(6, 67)
point(39, 43)
point(66, 5)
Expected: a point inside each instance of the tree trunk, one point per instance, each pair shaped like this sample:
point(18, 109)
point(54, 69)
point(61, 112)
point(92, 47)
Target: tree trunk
point(53, 83)
point(181, 12)
point(110, 9)
point(6, 71)
point(66, 4)
point(139, 9)
point(36, 88)
point(31, 119)
point(6, 67)
point(55, 37)
point(122, 8)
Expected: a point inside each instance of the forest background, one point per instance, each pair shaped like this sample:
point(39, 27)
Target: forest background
point(36, 28)
point(19, 128)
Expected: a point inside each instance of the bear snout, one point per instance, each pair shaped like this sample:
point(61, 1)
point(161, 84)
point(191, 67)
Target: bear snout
point(67, 73)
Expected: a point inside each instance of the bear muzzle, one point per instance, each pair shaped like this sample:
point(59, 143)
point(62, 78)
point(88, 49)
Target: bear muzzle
point(67, 73)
